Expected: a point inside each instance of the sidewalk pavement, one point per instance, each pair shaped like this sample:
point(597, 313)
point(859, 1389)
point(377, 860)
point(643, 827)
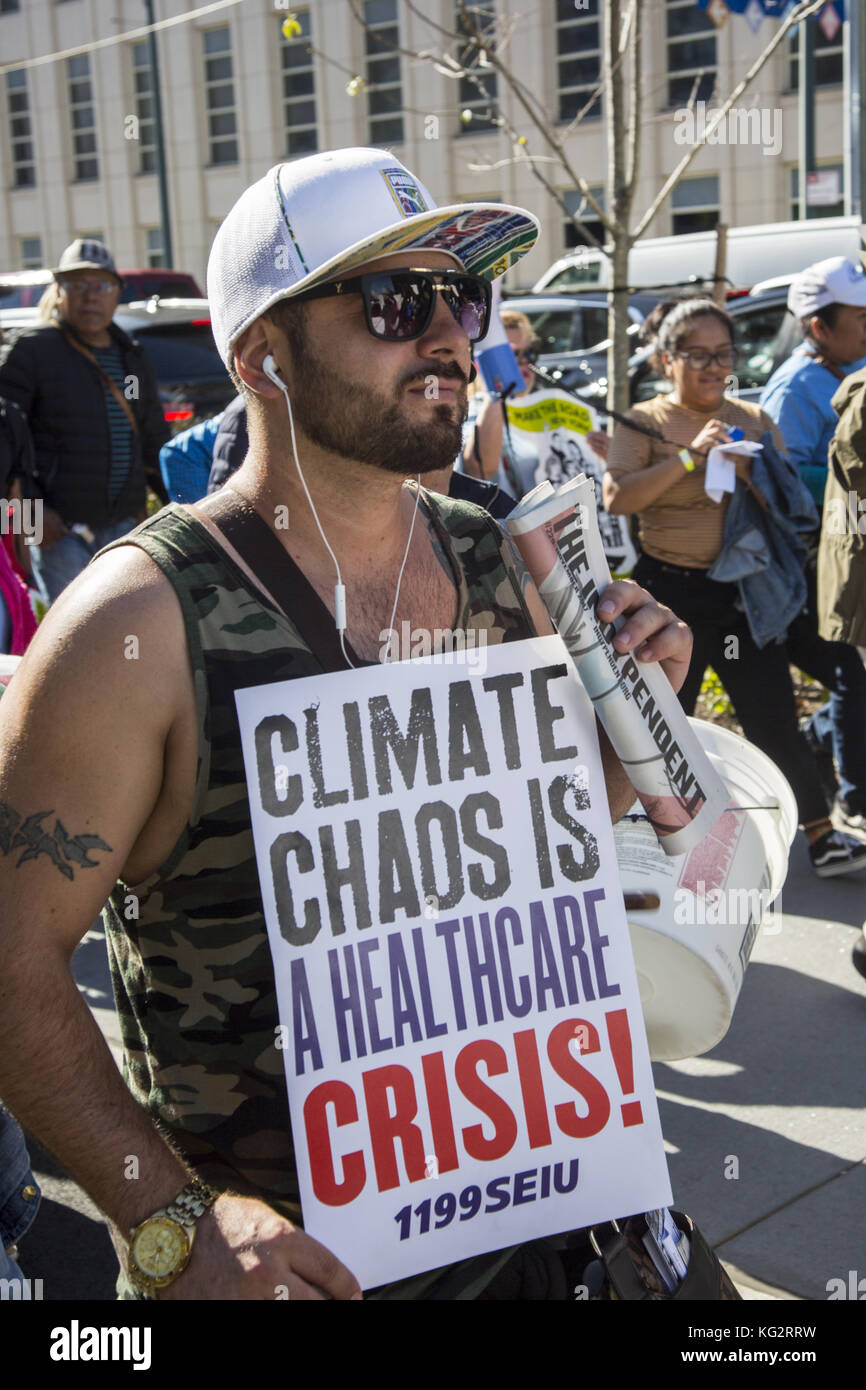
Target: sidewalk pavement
point(765, 1134)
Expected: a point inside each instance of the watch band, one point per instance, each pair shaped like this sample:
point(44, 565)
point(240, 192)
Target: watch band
point(190, 1203)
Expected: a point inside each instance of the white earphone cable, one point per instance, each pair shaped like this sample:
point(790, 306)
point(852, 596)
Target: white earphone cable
point(405, 557)
point(339, 587)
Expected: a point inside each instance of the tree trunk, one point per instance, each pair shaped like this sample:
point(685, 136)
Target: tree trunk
point(620, 192)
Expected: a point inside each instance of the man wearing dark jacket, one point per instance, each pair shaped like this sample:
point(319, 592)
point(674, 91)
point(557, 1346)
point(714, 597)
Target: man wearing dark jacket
point(90, 395)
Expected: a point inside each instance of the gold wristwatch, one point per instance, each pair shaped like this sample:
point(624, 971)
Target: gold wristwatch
point(160, 1246)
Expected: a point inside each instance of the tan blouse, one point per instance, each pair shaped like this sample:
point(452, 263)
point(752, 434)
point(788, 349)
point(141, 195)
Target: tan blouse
point(683, 526)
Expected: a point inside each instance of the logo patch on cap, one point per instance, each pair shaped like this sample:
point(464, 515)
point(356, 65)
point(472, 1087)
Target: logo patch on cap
point(94, 251)
point(405, 192)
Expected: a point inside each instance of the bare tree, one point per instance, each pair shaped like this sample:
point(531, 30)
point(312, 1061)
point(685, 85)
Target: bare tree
point(483, 46)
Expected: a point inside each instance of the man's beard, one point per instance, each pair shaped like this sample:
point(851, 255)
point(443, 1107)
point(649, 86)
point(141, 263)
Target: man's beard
point(355, 422)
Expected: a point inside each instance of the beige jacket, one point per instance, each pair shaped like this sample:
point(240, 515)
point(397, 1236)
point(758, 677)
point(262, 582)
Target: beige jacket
point(842, 553)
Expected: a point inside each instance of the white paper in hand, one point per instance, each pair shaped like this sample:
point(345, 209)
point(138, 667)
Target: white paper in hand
point(721, 475)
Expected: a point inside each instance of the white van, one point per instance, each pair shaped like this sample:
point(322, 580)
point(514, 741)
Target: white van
point(753, 254)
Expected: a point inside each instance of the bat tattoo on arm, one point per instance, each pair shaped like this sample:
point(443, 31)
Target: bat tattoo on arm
point(30, 836)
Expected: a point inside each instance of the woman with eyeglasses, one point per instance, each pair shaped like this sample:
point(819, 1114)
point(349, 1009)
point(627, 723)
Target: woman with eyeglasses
point(661, 479)
point(490, 451)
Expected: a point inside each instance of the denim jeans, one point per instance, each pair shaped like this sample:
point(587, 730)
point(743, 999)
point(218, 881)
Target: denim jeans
point(57, 565)
point(19, 1195)
point(839, 726)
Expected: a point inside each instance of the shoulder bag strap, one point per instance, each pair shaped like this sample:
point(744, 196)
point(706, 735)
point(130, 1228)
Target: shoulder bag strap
point(111, 386)
point(255, 542)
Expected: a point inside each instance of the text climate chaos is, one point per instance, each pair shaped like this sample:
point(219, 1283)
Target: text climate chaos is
point(465, 1055)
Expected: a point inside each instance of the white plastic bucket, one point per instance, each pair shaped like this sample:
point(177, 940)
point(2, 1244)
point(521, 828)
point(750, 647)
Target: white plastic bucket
point(691, 951)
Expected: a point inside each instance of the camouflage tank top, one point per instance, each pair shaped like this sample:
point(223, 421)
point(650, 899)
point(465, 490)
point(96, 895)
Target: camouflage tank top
point(188, 946)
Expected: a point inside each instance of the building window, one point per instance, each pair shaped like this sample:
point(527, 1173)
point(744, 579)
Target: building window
point(384, 89)
point(299, 90)
point(82, 118)
point(142, 81)
point(575, 235)
point(691, 52)
point(695, 205)
point(824, 209)
point(8, 6)
point(222, 125)
point(20, 130)
point(578, 60)
point(155, 248)
point(829, 61)
point(31, 253)
point(478, 93)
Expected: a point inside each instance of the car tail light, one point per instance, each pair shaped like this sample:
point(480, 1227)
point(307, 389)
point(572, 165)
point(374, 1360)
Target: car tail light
point(176, 412)
point(200, 323)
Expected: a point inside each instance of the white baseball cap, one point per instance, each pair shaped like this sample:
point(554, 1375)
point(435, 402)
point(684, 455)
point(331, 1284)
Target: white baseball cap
point(308, 220)
point(834, 281)
point(85, 254)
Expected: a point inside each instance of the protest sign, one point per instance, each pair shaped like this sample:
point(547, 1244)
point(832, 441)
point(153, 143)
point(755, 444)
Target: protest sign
point(465, 1054)
point(556, 426)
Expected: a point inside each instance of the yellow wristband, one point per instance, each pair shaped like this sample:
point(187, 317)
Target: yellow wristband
point(686, 460)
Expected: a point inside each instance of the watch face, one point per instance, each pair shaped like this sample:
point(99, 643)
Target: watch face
point(161, 1247)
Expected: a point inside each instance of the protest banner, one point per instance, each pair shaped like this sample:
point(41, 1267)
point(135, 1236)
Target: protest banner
point(556, 426)
point(465, 1055)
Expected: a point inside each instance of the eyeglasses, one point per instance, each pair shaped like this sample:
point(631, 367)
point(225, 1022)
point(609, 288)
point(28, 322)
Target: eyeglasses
point(699, 358)
point(399, 304)
point(78, 287)
point(528, 355)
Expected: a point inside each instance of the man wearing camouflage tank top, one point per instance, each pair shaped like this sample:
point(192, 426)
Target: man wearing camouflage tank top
point(123, 779)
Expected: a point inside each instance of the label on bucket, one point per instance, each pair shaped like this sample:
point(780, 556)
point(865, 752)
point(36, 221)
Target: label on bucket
point(708, 865)
point(638, 851)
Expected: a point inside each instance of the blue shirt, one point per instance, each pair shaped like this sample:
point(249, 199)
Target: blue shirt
point(797, 397)
point(185, 461)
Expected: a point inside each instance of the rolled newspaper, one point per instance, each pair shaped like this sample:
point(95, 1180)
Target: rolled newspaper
point(557, 534)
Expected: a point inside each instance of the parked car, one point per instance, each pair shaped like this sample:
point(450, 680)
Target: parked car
point(177, 337)
point(765, 336)
point(21, 291)
point(573, 322)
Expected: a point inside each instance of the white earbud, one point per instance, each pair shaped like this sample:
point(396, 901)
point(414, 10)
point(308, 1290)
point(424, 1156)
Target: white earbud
point(271, 371)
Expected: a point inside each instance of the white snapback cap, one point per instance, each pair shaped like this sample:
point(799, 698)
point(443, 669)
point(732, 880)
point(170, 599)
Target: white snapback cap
point(834, 281)
point(310, 219)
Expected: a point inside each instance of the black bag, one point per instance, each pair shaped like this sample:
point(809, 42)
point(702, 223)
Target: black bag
point(627, 1271)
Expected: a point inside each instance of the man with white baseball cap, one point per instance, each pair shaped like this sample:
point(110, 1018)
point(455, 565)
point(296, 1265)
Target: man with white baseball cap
point(346, 305)
point(829, 299)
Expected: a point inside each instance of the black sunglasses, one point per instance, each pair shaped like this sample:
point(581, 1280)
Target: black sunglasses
point(399, 304)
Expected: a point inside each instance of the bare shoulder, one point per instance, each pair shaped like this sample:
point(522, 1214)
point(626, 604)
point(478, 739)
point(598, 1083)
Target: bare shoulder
point(119, 619)
point(109, 655)
point(97, 746)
